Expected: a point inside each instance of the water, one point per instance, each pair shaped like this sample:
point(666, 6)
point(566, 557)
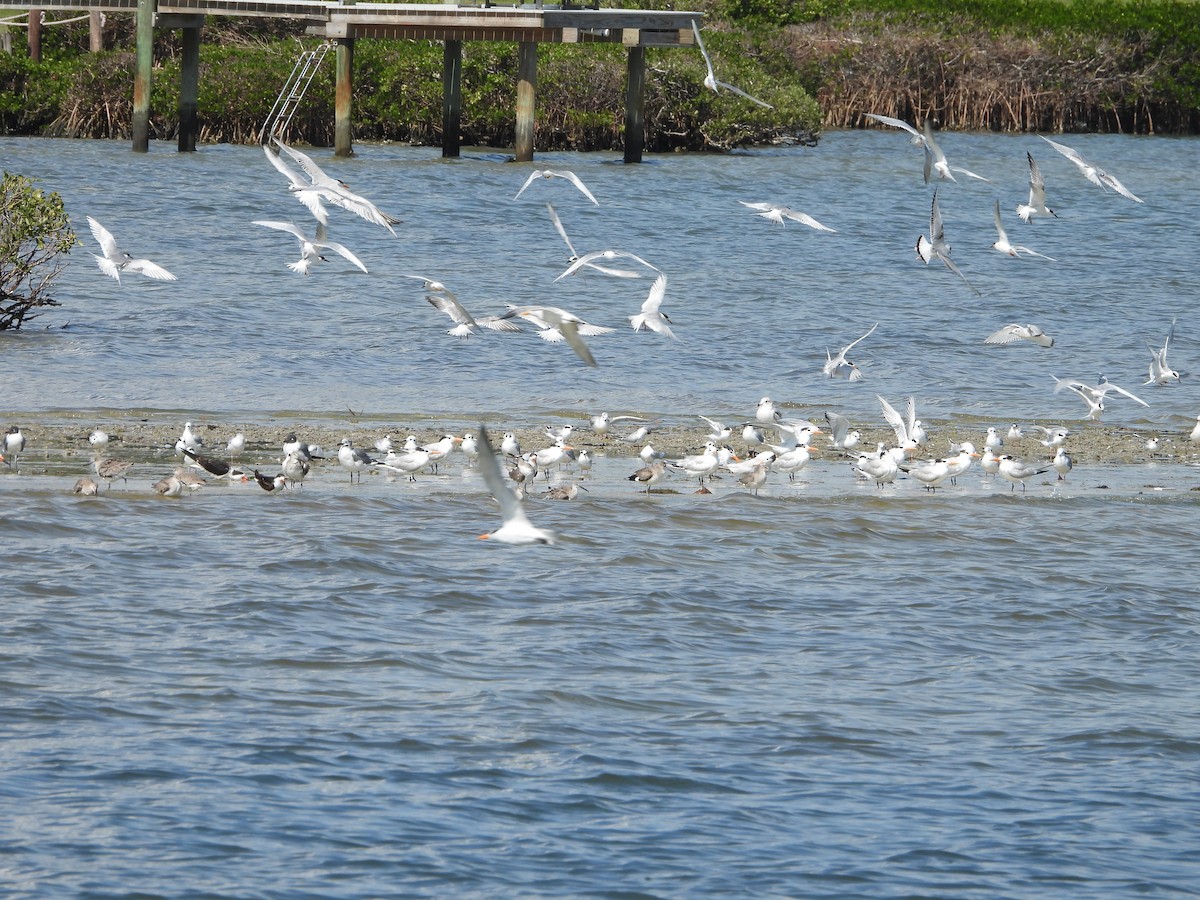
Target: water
point(828, 690)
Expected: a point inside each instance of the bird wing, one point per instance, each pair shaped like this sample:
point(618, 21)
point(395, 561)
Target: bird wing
point(805, 219)
point(896, 123)
point(537, 173)
point(894, 419)
point(451, 307)
point(497, 323)
point(741, 93)
point(578, 182)
point(562, 232)
point(847, 348)
point(570, 331)
point(1006, 335)
point(282, 226)
point(839, 426)
point(703, 52)
point(961, 171)
point(344, 252)
point(489, 468)
point(150, 270)
point(937, 230)
point(108, 244)
point(1112, 387)
point(589, 258)
point(654, 299)
point(1001, 234)
point(1112, 182)
point(311, 169)
point(1037, 184)
point(761, 206)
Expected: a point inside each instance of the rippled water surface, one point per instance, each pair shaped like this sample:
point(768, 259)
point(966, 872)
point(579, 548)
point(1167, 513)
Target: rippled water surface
point(827, 690)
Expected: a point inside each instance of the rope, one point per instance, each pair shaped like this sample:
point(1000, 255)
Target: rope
point(12, 20)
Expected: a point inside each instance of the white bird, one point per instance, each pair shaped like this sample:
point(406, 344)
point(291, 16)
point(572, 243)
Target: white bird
point(638, 435)
point(916, 137)
point(355, 460)
point(470, 448)
point(790, 461)
point(338, 193)
point(1194, 436)
point(13, 444)
point(603, 422)
point(516, 527)
point(510, 446)
point(564, 173)
point(562, 433)
point(1062, 463)
point(1014, 332)
point(441, 448)
point(1037, 194)
point(1014, 432)
point(766, 413)
point(555, 324)
point(882, 468)
point(701, 465)
point(1055, 437)
point(648, 454)
point(935, 244)
point(935, 160)
point(114, 261)
point(383, 444)
point(1004, 245)
point(1094, 395)
point(840, 434)
point(311, 247)
point(993, 441)
point(835, 364)
point(589, 260)
point(296, 465)
point(189, 439)
point(932, 473)
point(236, 445)
point(774, 212)
point(752, 434)
point(710, 79)
point(605, 270)
point(1017, 471)
point(718, 431)
point(1160, 371)
point(464, 323)
point(908, 428)
point(1091, 172)
point(651, 474)
point(650, 316)
point(406, 462)
point(300, 189)
point(958, 462)
point(989, 462)
point(98, 439)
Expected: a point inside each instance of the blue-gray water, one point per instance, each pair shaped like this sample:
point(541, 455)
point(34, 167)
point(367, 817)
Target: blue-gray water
point(828, 690)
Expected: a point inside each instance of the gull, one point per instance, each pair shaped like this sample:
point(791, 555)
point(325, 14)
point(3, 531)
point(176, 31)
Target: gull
point(86, 487)
point(935, 244)
point(916, 137)
point(589, 259)
point(353, 459)
point(835, 364)
point(296, 466)
point(719, 431)
point(1093, 395)
point(773, 212)
point(1003, 245)
point(292, 444)
point(337, 192)
point(766, 412)
point(650, 475)
point(909, 431)
point(270, 483)
point(1194, 436)
point(510, 446)
point(605, 270)
point(1055, 437)
point(1014, 332)
point(14, 443)
point(114, 261)
point(710, 79)
point(516, 527)
point(1091, 172)
point(840, 434)
point(109, 468)
point(189, 440)
point(1062, 463)
point(568, 326)
point(98, 439)
point(602, 422)
point(311, 247)
point(300, 189)
point(650, 317)
point(1037, 194)
point(935, 160)
point(993, 441)
point(701, 465)
point(565, 173)
point(1017, 471)
point(236, 445)
point(1160, 372)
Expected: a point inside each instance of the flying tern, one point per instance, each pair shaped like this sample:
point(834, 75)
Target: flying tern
point(1094, 395)
point(650, 316)
point(935, 160)
point(935, 244)
point(604, 270)
point(338, 193)
point(300, 189)
point(1160, 371)
point(773, 212)
point(1014, 332)
point(710, 79)
point(1092, 172)
point(589, 259)
point(565, 174)
point(1037, 194)
point(916, 137)
point(1002, 243)
point(311, 247)
point(516, 527)
point(114, 261)
point(910, 433)
point(568, 325)
point(835, 365)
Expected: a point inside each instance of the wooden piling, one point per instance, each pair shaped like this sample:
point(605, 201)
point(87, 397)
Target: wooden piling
point(451, 98)
point(143, 75)
point(343, 92)
point(635, 84)
point(34, 37)
point(189, 90)
point(526, 100)
point(95, 31)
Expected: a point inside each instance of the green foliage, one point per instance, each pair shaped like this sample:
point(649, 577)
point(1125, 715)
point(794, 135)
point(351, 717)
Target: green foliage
point(30, 93)
point(34, 235)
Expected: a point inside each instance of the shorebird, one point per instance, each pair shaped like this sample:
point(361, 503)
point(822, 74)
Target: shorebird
point(710, 79)
point(336, 192)
point(1062, 463)
point(311, 247)
point(935, 244)
point(516, 527)
point(109, 468)
point(1092, 172)
point(85, 486)
point(565, 174)
point(170, 486)
point(650, 316)
point(1160, 371)
point(651, 474)
point(774, 212)
point(1014, 332)
point(840, 434)
point(1037, 194)
point(834, 365)
point(114, 261)
point(1004, 245)
point(564, 491)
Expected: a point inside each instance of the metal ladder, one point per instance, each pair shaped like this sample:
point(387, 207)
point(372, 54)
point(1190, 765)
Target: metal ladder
point(293, 91)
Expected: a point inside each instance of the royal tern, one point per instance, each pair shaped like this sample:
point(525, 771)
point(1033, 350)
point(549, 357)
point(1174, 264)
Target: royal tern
point(790, 461)
point(935, 160)
point(1004, 245)
point(568, 325)
point(588, 260)
point(1037, 194)
point(114, 261)
point(1062, 463)
point(650, 316)
point(565, 174)
point(311, 247)
point(710, 79)
point(882, 468)
point(1014, 332)
point(406, 462)
point(604, 270)
point(959, 461)
point(834, 365)
point(355, 460)
point(549, 458)
point(701, 465)
point(1091, 172)
point(516, 527)
point(1160, 371)
point(1017, 471)
point(774, 212)
point(85, 486)
point(931, 473)
point(336, 192)
point(651, 474)
point(935, 244)
point(440, 449)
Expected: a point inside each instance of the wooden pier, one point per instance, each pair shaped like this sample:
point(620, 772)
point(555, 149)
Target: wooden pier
point(343, 23)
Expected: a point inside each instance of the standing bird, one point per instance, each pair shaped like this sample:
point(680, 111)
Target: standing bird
point(98, 439)
point(170, 486)
point(14, 444)
point(710, 79)
point(86, 487)
point(650, 316)
point(235, 446)
point(114, 261)
point(296, 466)
point(835, 364)
point(701, 465)
point(766, 413)
point(510, 446)
point(352, 459)
point(993, 441)
point(516, 527)
point(109, 469)
point(189, 440)
point(1062, 463)
point(1037, 195)
point(1017, 472)
point(270, 483)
